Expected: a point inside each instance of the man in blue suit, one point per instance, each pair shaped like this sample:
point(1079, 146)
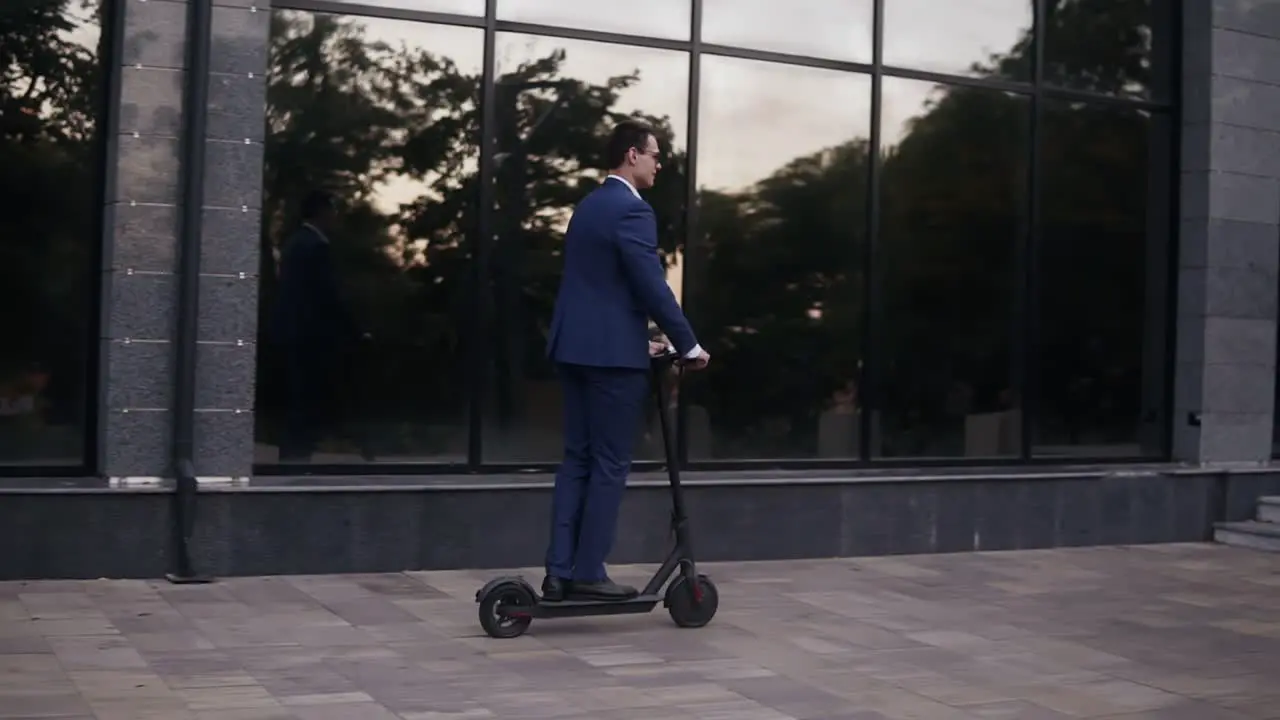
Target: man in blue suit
point(613, 283)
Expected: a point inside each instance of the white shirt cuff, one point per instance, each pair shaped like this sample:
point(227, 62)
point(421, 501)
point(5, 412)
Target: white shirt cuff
point(695, 352)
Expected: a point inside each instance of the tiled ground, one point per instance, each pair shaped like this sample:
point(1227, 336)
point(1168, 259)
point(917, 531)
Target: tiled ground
point(1177, 632)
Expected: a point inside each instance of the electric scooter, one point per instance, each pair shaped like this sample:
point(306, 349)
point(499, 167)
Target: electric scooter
point(508, 605)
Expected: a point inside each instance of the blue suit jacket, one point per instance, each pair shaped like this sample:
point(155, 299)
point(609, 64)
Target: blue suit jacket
point(613, 283)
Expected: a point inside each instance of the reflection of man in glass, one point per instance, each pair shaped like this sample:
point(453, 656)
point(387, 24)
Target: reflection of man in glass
point(312, 326)
point(613, 282)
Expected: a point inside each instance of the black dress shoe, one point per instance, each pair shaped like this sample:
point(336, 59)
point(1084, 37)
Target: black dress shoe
point(602, 590)
point(553, 589)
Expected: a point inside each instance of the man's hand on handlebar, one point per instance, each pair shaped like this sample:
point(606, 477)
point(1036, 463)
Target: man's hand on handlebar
point(699, 361)
point(660, 346)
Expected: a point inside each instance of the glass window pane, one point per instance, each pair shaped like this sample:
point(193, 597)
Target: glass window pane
point(834, 29)
point(670, 19)
point(777, 280)
point(980, 38)
point(383, 114)
point(952, 220)
point(51, 182)
point(1120, 47)
point(1102, 269)
point(557, 101)
point(457, 7)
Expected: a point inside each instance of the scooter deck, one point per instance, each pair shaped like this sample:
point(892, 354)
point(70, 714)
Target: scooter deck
point(580, 608)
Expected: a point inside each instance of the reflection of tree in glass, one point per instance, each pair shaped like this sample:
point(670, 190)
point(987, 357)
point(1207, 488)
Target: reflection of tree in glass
point(1104, 46)
point(776, 252)
point(49, 158)
point(351, 115)
point(782, 285)
point(952, 211)
point(356, 115)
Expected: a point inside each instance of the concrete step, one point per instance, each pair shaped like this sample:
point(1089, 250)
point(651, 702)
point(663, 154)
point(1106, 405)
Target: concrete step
point(1249, 534)
point(1269, 509)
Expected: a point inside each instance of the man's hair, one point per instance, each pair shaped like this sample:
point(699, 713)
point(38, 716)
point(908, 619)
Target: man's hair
point(626, 135)
point(316, 203)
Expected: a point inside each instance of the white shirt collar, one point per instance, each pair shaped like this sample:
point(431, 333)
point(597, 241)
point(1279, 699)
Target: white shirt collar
point(624, 181)
point(323, 238)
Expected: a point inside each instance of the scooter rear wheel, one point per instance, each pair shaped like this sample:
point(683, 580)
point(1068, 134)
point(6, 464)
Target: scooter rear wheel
point(495, 607)
point(688, 611)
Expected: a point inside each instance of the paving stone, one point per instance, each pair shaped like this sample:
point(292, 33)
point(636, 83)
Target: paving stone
point(208, 680)
point(97, 685)
point(23, 645)
point(96, 652)
point(1194, 711)
point(246, 714)
point(1176, 632)
point(1013, 710)
point(94, 624)
point(171, 641)
point(228, 698)
point(349, 711)
point(42, 705)
point(290, 683)
point(142, 709)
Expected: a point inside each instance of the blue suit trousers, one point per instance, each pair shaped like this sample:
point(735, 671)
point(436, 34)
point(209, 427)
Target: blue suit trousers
point(602, 411)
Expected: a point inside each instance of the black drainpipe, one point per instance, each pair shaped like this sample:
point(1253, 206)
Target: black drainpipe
point(182, 516)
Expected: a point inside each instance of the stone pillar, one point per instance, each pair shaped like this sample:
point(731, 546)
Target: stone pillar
point(1227, 284)
point(227, 353)
point(139, 285)
point(139, 289)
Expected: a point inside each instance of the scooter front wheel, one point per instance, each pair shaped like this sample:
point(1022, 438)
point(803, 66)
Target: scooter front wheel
point(690, 607)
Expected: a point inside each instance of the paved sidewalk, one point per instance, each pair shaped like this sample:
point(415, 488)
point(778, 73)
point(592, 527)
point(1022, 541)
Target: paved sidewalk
point(1175, 632)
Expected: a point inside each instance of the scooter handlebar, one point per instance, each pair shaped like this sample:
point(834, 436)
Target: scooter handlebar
point(666, 358)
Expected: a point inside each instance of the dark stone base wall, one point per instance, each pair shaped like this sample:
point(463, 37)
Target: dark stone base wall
point(116, 533)
point(1240, 494)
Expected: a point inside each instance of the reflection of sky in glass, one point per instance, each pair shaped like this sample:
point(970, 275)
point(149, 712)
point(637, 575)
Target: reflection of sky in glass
point(947, 36)
point(763, 115)
point(457, 7)
point(756, 117)
point(900, 102)
point(664, 74)
point(950, 36)
point(652, 18)
point(836, 29)
point(86, 30)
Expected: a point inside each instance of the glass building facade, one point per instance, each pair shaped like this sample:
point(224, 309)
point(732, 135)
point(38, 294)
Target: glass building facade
point(978, 274)
point(909, 234)
point(912, 234)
